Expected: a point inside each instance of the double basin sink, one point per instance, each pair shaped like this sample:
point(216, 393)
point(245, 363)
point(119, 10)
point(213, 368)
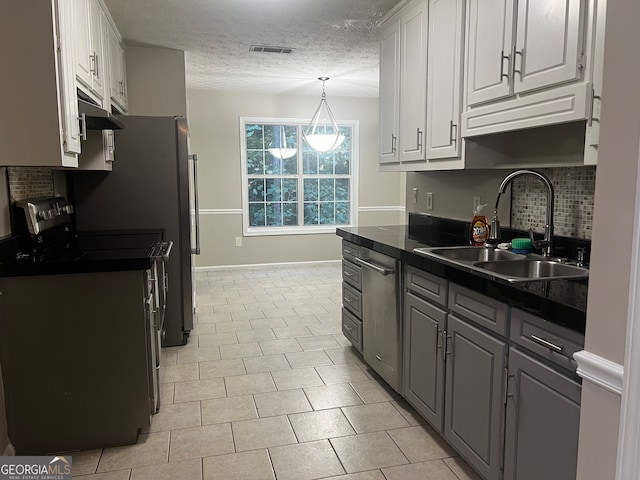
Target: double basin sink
point(506, 265)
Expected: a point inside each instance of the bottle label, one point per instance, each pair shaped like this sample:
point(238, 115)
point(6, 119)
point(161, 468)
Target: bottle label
point(479, 232)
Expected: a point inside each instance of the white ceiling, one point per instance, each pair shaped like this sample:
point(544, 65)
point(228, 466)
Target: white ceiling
point(333, 38)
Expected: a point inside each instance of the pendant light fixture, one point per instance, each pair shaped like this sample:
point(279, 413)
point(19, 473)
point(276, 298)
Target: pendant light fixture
point(322, 134)
point(279, 148)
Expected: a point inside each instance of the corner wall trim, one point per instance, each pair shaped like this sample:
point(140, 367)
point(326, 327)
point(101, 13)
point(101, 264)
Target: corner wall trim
point(220, 211)
point(9, 451)
point(383, 208)
point(600, 371)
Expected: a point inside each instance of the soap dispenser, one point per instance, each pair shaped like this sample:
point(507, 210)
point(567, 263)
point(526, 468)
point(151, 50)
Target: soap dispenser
point(479, 231)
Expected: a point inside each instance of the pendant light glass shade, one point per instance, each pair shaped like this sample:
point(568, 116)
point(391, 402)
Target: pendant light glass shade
point(278, 147)
point(322, 134)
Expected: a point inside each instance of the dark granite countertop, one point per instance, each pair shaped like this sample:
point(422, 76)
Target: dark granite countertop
point(559, 301)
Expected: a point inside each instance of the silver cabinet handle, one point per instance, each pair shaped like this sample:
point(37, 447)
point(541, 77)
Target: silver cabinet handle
point(379, 358)
point(83, 126)
point(452, 137)
point(418, 139)
point(348, 274)
point(380, 270)
point(521, 53)
point(504, 57)
point(348, 300)
point(393, 143)
point(347, 327)
point(545, 343)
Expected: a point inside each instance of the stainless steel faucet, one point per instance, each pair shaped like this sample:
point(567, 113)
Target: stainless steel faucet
point(546, 244)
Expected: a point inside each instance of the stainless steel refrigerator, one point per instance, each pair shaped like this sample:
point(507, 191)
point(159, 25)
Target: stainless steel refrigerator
point(153, 185)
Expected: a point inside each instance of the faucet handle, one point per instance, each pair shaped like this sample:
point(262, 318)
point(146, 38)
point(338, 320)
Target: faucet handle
point(581, 253)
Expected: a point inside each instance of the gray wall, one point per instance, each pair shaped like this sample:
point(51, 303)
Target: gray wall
point(613, 240)
point(215, 137)
point(156, 81)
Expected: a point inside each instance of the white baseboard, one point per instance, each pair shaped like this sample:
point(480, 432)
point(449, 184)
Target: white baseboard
point(265, 265)
point(600, 371)
point(9, 451)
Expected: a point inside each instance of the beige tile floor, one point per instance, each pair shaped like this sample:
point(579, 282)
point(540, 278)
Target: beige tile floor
point(269, 388)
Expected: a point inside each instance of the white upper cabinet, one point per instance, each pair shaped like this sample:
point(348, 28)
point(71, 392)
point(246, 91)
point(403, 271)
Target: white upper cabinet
point(520, 46)
point(389, 92)
point(413, 82)
point(549, 43)
point(490, 39)
point(117, 71)
point(90, 58)
point(444, 78)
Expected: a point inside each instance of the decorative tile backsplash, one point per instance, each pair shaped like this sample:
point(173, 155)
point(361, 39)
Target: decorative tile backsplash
point(573, 211)
point(29, 182)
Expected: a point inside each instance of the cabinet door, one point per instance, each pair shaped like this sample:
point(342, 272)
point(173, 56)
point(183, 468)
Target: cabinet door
point(474, 410)
point(389, 92)
point(97, 22)
point(82, 44)
point(68, 97)
point(413, 82)
point(424, 324)
point(490, 37)
point(543, 417)
point(549, 43)
point(444, 74)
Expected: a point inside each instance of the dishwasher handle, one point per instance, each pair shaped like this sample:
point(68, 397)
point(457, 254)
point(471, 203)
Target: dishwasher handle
point(381, 270)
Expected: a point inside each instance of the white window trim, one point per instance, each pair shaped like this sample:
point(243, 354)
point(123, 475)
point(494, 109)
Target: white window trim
point(248, 231)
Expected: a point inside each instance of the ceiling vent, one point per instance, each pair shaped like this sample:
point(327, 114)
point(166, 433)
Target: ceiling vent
point(269, 49)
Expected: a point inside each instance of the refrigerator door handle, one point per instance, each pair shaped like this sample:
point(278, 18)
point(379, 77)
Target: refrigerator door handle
point(194, 158)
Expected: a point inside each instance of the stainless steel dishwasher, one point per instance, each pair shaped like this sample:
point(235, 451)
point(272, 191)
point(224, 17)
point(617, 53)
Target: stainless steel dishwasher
point(381, 319)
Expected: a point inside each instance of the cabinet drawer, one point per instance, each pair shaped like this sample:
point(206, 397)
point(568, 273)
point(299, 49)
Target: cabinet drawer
point(350, 251)
point(479, 308)
point(352, 300)
point(352, 274)
point(428, 286)
point(549, 340)
point(352, 329)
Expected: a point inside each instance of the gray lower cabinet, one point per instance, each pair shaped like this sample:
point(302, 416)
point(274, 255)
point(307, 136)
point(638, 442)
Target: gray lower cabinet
point(424, 324)
point(542, 422)
point(351, 295)
point(474, 405)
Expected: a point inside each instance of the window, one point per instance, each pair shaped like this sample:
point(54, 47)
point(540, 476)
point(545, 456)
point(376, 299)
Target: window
point(289, 187)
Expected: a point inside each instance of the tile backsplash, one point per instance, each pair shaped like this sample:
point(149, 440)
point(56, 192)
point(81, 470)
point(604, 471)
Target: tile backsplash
point(28, 182)
point(574, 193)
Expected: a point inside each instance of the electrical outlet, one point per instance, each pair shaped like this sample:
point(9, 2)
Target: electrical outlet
point(415, 194)
point(238, 241)
point(476, 202)
point(429, 200)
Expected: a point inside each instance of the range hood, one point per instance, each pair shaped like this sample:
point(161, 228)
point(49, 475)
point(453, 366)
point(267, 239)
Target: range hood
point(97, 118)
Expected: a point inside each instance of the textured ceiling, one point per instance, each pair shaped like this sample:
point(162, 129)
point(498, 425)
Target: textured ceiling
point(333, 38)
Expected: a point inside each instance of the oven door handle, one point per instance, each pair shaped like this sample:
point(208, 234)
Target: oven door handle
point(381, 270)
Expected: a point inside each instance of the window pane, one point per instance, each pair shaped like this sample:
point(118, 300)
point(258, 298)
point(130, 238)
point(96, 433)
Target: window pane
point(274, 214)
point(256, 214)
point(326, 164)
point(310, 213)
point(342, 189)
point(289, 190)
point(290, 213)
point(342, 165)
point(342, 213)
point(310, 162)
point(254, 136)
point(327, 213)
point(273, 165)
point(290, 165)
point(255, 162)
point(274, 189)
point(256, 190)
point(310, 189)
point(326, 189)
